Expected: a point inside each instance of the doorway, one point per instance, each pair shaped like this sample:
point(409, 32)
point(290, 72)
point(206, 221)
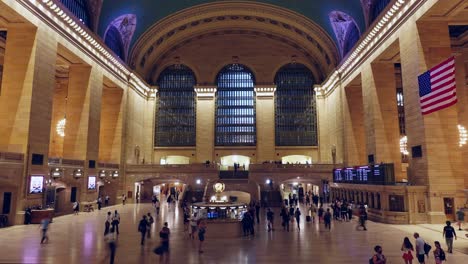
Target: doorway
point(6, 203)
point(448, 208)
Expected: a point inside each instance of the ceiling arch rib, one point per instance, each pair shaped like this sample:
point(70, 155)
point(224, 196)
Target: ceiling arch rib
point(166, 54)
point(213, 17)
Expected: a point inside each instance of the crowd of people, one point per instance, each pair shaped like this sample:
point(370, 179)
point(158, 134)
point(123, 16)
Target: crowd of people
point(339, 210)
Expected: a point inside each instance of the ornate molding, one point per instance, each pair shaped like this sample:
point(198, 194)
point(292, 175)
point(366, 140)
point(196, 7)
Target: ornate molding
point(206, 91)
point(266, 91)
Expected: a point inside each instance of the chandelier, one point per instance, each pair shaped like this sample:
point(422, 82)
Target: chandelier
point(61, 127)
point(463, 135)
point(404, 145)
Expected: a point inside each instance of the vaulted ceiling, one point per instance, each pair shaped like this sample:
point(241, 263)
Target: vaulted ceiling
point(148, 12)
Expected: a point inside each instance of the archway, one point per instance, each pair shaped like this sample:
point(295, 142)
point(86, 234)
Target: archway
point(296, 159)
point(168, 160)
point(227, 162)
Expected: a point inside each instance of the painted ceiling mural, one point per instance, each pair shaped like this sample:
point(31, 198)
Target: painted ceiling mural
point(148, 12)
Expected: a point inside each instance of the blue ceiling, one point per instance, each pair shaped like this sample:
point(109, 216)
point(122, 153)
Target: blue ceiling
point(148, 12)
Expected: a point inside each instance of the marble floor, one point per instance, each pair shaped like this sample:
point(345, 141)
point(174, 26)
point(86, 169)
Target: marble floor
point(79, 239)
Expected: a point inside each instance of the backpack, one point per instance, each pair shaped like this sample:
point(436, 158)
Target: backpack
point(442, 255)
point(427, 248)
point(371, 260)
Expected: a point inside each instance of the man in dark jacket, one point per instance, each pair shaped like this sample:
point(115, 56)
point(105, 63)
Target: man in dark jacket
point(142, 227)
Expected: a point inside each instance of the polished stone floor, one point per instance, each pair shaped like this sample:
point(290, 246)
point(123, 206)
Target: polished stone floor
point(79, 239)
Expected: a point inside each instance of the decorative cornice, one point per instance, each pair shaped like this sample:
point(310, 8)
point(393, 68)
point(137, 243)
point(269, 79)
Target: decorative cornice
point(390, 22)
point(64, 22)
point(205, 91)
point(265, 90)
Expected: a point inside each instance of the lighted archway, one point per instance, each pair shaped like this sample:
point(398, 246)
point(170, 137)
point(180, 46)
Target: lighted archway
point(172, 160)
point(295, 159)
point(228, 161)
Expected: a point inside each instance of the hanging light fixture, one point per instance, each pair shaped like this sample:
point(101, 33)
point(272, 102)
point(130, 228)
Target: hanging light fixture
point(60, 128)
point(404, 145)
point(463, 135)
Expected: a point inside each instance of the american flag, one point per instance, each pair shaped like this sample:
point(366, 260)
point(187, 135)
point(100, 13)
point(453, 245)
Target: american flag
point(437, 89)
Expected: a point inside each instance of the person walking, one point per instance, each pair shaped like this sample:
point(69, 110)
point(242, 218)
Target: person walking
point(420, 248)
point(270, 217)
point(157, 204)
point(439, 254)
point(150, 220)
point(297, 215)
point(193, 225)
point(99, 202)
point(44, 227)
point(257, 211)
point(378, 257)
point(106, 200)
point(142, 227)
point(111, 241)
point(116, 221)
point(407, 249)
point(124, 198)
point(449, 234)
point(76, 207)
point(285, 217)
point(362, 218)
point(313, 212)
point(164, 235)
point(460, 218)
point(320, 214)
point(108, 223)
point(201, 234)
point(327, 219)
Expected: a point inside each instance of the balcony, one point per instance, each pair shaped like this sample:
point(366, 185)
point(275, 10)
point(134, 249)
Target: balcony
point(172, 168)
point(10, 157)
point(292, 168)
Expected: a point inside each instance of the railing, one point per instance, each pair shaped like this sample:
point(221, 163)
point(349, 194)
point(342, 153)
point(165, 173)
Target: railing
point(292, 167)
point(11, 157)
point(66, 162)
point(102, 165)
point(233, 175)
point(197, 167)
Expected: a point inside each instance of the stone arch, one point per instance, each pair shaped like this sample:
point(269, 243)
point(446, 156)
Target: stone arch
point(267, 20)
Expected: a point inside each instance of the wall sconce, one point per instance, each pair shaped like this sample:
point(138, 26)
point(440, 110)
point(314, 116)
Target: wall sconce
point(115, 174)
point(49, 182)
point(268, 181)
point(56, 173)
point(102, 174)
point(78, 173)
point(198, 181)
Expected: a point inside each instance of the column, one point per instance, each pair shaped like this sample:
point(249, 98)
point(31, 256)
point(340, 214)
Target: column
point(265, 114)
point(206, 108)
point(422, 46)
point(381, 114)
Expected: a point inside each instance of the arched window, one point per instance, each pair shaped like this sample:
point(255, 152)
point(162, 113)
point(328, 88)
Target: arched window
point(176, 107)
point(235, 107)
point(114, 41)
point(377, 7)
point(80, 9)
point(296, 114)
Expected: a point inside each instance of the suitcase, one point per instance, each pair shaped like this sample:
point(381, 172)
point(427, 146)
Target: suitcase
point(308, 218)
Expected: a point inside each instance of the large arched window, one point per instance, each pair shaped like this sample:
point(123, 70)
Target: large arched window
point(114, 41)
point(80, 9)
point(235, 107)
point(176, 107)
point(295, 117)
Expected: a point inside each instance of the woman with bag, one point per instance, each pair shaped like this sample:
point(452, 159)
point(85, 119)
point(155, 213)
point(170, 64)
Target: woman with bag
point(407, 248)
point(439, 254)
point(163, 249)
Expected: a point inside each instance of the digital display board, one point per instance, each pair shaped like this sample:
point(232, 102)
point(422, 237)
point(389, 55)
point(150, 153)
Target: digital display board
point(92, 183)
point(37, 184)
point(380, 174)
